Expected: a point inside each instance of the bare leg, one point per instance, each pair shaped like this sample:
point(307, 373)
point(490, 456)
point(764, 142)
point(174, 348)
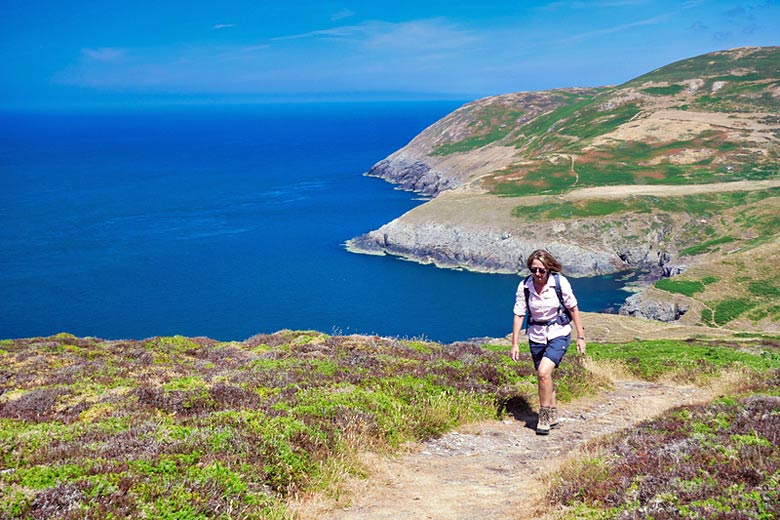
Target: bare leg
point(546, 389)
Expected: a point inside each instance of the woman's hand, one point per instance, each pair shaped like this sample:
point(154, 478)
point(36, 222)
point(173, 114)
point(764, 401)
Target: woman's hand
point(514, 353)
point(581, 344)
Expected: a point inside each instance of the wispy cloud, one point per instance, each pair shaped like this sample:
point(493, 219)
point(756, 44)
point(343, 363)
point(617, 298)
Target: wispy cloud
point(242, 53)
point(104, 54)
point(434, 33)
point(655, 20)
point(423, 34)
point(341, 33)
point(691, 4)
point(343, 13)
point(220, 26)
point(255, 48)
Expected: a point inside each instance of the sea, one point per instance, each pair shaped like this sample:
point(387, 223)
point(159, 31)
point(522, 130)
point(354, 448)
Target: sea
point(227, 221)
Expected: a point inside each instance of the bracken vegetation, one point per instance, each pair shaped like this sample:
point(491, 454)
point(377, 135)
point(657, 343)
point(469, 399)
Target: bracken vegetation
point(739, 288)
point(192, 428)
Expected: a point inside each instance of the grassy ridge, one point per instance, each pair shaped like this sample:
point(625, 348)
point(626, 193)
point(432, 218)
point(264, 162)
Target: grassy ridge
point(695, 206)
point(193, 428)
point(731, 83)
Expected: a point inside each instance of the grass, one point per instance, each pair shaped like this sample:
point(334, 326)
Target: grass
point(491, 124)
point(686, 287)
point(726, 310)
point(621, 163)
point(193, 428)
point(706, 247)
point(688, 361)
point(698, 205)
point(669, 90)
point(740, 290)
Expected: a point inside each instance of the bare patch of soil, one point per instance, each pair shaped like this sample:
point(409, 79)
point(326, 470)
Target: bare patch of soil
point(493, 470)
point(681, 125)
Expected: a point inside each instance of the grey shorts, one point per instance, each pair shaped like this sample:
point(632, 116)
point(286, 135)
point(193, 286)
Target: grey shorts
point(553, 350)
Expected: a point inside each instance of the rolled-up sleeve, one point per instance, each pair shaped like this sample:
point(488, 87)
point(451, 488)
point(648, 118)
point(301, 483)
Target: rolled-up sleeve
point(520, 300)
point(569, 300)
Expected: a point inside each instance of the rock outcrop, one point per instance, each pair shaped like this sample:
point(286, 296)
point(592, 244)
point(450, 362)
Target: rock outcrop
point(412, 174)
point(641, 306)
point(493, 250)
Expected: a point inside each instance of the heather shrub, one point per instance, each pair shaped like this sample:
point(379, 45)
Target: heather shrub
point(720, 460)
point(191, 427)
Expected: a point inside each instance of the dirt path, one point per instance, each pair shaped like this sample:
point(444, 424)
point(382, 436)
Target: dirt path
point(492, 470)
point(668, 190)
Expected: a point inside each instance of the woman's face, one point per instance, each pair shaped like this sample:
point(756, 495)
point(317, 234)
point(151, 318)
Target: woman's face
point(538, 270)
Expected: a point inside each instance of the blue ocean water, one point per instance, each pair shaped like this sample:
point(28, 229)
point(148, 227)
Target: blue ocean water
point(225, 222)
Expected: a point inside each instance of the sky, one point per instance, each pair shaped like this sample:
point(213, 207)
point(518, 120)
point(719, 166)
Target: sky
point(57, 53)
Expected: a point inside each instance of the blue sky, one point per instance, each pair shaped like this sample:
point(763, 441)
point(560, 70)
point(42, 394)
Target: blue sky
point(59, 53)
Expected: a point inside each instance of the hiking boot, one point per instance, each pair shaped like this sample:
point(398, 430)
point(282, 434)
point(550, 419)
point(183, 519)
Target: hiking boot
point(554, 422)
point(543, 423)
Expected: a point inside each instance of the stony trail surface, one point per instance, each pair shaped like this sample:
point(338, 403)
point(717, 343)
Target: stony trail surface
point(493, 470)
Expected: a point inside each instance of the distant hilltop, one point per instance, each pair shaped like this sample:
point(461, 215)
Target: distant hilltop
point(674, 173)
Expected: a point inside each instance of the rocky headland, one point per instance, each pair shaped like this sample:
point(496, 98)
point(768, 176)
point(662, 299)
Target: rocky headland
point(608, 179)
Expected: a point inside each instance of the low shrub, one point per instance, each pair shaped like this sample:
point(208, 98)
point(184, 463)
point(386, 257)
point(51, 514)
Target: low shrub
point(729, 467)
point(190, 427)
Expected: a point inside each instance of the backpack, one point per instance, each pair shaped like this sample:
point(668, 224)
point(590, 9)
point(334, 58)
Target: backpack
point(564, 316)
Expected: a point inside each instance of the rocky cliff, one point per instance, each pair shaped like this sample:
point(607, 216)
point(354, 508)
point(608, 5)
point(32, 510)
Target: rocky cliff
point(633, 177)
point(455, 238)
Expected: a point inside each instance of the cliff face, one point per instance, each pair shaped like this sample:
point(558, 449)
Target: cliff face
point(475, 249)
point(636, 177)
point(503, 249)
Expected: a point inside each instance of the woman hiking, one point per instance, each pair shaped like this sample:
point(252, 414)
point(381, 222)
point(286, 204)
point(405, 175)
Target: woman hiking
point(551, 307)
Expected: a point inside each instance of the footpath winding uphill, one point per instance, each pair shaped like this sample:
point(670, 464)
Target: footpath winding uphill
point(495, 470)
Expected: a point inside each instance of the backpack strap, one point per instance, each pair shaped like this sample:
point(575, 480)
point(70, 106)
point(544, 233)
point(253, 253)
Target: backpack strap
point(559, 292)
point(527, 319)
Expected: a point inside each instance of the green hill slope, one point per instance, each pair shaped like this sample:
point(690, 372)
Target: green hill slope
point(674, 170)
point(712, 118)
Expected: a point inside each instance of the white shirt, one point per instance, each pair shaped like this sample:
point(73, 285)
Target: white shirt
point(544, 307)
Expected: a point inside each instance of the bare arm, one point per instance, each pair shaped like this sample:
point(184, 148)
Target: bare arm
point(577, 320)
point(516, 326)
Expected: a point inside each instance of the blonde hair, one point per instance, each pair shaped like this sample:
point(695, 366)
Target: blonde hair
point(547, 260)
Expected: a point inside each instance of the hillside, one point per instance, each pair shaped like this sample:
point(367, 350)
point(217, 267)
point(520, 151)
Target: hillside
point(674, 170)
point(280, 424)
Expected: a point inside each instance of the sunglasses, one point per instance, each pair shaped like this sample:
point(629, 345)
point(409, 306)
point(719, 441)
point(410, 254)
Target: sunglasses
point(538, 270)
